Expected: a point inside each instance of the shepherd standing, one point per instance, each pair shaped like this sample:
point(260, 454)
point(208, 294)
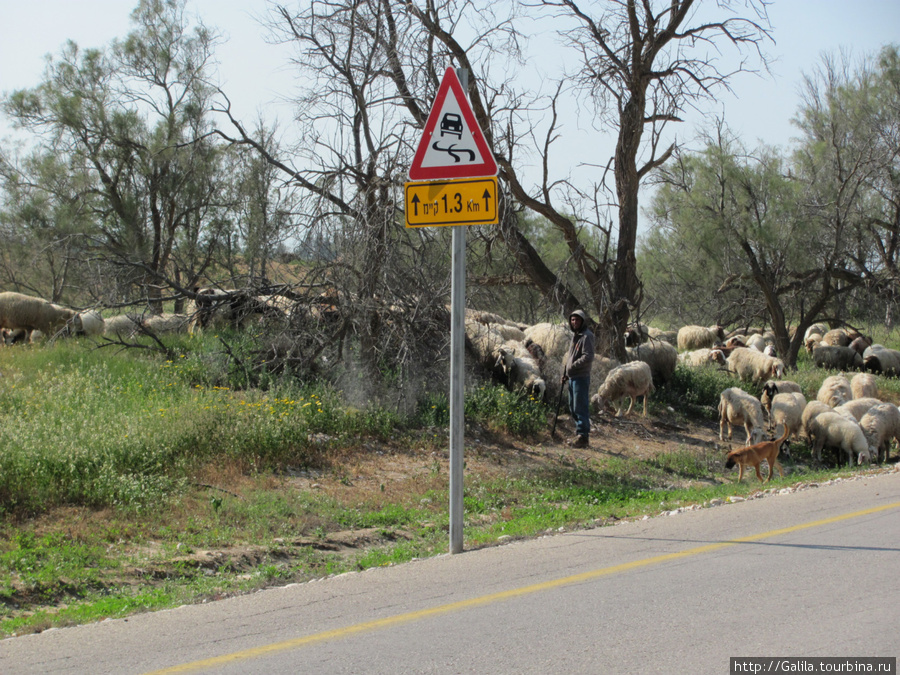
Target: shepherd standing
point(577, 372)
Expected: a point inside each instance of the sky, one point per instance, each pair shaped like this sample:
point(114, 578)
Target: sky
point(257, 75)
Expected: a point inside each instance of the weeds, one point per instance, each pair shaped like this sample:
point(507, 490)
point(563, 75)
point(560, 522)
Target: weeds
point(140, 465)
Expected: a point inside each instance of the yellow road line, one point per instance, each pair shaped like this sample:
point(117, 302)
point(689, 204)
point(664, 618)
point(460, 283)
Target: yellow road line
point(399, 619)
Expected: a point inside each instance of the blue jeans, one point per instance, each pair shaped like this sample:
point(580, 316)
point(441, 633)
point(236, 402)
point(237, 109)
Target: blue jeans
point(580, 403)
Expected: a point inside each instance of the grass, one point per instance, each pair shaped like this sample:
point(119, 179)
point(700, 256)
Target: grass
point(119, 472)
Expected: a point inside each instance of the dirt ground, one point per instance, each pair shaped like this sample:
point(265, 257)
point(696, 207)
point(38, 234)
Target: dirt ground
point(380, 471)
point(487, 454)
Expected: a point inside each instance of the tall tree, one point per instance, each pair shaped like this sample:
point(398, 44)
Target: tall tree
point(132, 118)
point(727, 218)
point(645, 63)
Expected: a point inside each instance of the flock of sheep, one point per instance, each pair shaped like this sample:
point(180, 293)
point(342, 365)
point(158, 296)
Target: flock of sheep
point(24, 318)
point(846, 415)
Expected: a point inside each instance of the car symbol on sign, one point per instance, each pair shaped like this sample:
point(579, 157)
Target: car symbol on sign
point(451, 123)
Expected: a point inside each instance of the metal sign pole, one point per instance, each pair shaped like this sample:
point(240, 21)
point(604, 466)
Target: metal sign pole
point(457, 363)
point(457, 402)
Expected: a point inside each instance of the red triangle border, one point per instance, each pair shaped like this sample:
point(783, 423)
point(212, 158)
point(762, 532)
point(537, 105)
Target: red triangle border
point(488, 167)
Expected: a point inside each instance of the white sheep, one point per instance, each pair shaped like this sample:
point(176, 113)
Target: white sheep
point(834, 391)
point(697, 337)
point(755, 341)
point(508, 332)
point(812, 409)
point(601, 367)
point(864, 385)
point(773, 387)
point(554, 339)
point(749, 364)
point(857, 407)
point(881, 425)
point(787, 412)
point(88, 323)
point(832, 429)
point(702, 357)
point(660, 356)
point(631, 379)
point(521, 369)
point(816, 328)
point(18, 310)
point(122, 325)
point(838, 337)
point(882, 360)
point(167, 323)
point(487, 317)
point(738, 408)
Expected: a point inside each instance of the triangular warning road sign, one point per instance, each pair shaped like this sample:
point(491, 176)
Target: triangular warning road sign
point(452, 144)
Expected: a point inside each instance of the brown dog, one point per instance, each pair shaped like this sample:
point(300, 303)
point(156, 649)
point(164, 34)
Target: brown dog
point(753, 455)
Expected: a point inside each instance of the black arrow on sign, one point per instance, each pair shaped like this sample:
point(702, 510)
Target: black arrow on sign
point(415, 203)
point(487, 199)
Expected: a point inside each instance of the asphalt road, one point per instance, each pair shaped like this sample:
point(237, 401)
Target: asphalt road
point(810, 573)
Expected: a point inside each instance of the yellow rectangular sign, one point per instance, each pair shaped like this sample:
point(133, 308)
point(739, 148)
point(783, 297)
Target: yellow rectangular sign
point(470, 201)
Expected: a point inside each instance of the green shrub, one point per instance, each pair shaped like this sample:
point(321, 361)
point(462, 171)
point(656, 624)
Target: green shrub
point(696, 390)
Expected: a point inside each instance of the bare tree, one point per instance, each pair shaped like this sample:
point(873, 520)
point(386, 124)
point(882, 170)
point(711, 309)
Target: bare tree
point(645, 63)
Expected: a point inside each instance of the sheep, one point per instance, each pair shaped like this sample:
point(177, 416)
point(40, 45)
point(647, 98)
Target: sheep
point(857, 407)
point(697, 337)
point(485, 344)
point(860, 344)
point(207, 309)
point(833, 357)
point(773, 387)
point(521, 370)
point(660, 356)
point(819, 328)
point(14, 336)
point(88, 323)
point(631, 379)
point(637, 334)
point(670, 336)
point(881, 360)
point(812, 409)
point(487, 317)
point(167, 323)
point(755, 341)
point(834, 391)
point(749, 364)
point(702, 357)
point(812, 342)
point(735, 341)
point(508, 332)
point(880, 425)
point(24, 311)
point(787, 411)
point(601, 367)
point(737, 407)
point(123, 325)
point(834, 430)
point(554, 339)
point(770, 351)
point(837, 337)
point(863, 385)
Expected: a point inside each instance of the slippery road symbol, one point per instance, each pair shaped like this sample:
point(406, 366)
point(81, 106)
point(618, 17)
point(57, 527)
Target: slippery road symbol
point(454, 152)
